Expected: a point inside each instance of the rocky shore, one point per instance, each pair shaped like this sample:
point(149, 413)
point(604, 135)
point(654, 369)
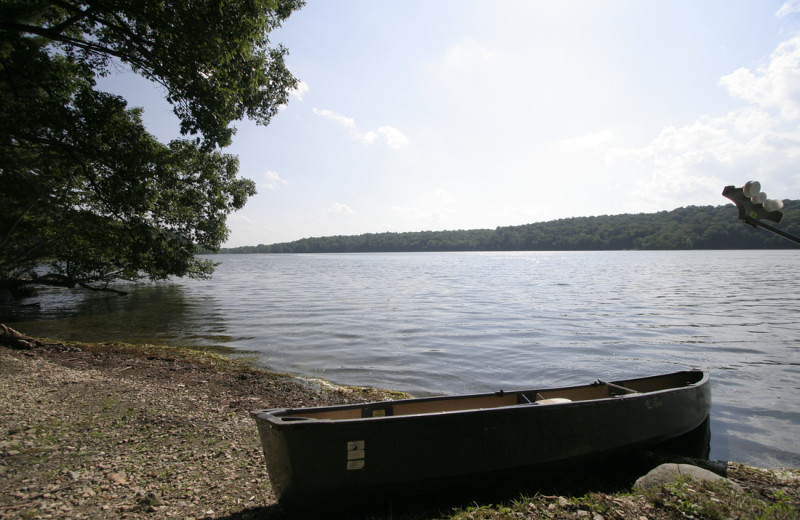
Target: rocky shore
point(122, 431)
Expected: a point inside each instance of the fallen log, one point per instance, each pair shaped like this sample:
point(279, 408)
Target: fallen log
point(13, 339)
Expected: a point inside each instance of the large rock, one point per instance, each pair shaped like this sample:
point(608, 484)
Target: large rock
point(668, 473)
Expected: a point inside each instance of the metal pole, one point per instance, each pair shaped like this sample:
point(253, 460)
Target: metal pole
point(750, 220)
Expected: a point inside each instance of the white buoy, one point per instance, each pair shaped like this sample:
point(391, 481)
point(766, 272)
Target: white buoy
point(752, 188)
point(773, 204)
point(759, 198)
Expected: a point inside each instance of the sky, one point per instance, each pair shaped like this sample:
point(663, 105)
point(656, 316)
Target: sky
point(426, 115)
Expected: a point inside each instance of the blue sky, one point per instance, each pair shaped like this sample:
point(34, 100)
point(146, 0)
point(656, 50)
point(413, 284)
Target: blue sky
point(458, 114)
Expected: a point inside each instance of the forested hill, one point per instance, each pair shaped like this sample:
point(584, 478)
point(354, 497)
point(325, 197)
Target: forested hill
point(693, 227)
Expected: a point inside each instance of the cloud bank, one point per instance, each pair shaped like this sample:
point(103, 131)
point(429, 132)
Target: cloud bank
point(759, 140)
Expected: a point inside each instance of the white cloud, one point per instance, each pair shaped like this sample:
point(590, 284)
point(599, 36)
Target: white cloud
point(273, 180)
point(774, 86)
point(366, 137)
point(338, 208)
point(300, 90)
point(347, 122)
point(393, 137)
point(791, 6)
point(594, 141)
point(690, 164)
point(468, 57)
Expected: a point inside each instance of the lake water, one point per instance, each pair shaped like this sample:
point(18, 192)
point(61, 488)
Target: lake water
point(447, 323)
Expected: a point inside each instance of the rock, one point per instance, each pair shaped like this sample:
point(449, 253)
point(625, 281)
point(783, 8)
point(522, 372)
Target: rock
point(668, 473)
point(150, 499)
point(120, 477)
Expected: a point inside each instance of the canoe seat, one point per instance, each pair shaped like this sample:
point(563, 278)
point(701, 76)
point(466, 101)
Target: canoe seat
point(377, 410)
point(553, 400)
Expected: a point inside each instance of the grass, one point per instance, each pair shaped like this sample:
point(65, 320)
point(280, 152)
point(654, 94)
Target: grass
point(718, 501)
point(685, 498)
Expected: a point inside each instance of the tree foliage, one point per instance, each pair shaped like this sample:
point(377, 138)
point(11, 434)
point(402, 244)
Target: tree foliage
point(83, 185)
point(694, 227)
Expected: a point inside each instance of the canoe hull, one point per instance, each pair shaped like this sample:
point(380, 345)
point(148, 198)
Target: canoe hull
point(318, 460)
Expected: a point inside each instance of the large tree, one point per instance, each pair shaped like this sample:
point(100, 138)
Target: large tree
point(87, 195)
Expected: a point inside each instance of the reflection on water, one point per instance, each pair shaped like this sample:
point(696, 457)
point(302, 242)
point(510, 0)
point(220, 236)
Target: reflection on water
point(150, 313)
point(473, 322)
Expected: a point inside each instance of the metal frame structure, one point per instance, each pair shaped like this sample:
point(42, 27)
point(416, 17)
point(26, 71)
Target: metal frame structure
point(753, 213)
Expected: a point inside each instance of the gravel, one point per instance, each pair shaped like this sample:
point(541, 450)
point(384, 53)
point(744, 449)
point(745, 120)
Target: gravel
point(112, 431)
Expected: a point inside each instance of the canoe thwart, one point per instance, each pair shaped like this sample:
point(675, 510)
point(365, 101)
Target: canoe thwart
point(615, 389)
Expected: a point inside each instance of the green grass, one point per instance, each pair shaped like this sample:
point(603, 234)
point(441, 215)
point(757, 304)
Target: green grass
point(685, 498)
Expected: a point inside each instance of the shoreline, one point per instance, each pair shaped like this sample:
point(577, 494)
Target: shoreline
point(142, 431)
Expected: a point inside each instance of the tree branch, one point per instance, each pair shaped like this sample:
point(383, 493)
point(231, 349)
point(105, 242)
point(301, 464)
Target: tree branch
point(61, 27)
point(81, 44)
point(16, 222)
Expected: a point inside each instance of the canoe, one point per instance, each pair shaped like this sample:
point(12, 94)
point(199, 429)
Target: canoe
point(350, 452)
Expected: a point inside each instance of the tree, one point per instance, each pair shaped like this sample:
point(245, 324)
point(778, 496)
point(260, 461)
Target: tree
point(87, 195)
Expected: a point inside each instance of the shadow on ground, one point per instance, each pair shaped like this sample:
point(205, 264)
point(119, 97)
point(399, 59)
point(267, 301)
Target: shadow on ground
point(423, 500)
point(610, 475)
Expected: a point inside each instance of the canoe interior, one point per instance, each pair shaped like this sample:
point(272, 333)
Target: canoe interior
point(542, 397)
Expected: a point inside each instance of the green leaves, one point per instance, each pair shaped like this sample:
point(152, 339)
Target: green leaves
point(82, 182)
point(211, 56)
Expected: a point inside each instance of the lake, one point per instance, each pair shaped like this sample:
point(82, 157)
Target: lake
point(447, 323)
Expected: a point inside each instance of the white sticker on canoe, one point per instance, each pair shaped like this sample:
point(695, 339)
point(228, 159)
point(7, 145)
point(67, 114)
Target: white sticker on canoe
point(355, 464)
point(355, 445)
point(356, 455)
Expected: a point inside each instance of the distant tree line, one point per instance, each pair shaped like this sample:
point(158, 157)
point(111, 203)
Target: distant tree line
point(693, 227)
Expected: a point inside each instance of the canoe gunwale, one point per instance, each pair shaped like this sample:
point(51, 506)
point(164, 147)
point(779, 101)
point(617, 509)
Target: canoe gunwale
point(290, 417)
